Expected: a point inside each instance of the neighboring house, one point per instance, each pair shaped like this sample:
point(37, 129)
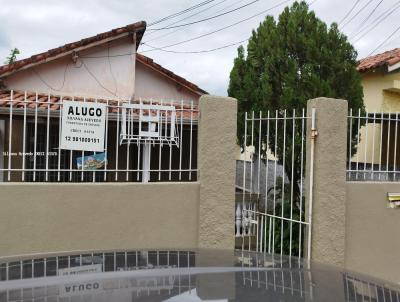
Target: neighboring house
point(103, 68)
point(381, 85)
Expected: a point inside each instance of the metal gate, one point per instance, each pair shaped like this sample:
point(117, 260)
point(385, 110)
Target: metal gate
point(271, 211)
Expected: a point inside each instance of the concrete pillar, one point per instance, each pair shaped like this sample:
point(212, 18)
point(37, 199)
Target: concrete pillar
point(329, 185)
point(216, 164)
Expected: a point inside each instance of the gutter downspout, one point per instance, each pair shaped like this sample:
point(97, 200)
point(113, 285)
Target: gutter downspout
point(314, 134)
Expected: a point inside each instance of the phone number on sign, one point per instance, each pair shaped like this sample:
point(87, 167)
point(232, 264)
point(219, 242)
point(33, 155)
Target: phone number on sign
point(82, 139)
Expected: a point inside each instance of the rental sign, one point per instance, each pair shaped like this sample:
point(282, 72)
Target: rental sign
point(83, 126)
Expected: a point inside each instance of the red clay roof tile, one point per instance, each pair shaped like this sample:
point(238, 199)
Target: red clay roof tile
point(138, 27)
point(387, 58)
point(18, 100)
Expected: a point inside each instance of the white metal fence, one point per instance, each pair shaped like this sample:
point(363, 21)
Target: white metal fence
point(30, 141)
point(357, 289)
point(373, 146)
point(278, 224)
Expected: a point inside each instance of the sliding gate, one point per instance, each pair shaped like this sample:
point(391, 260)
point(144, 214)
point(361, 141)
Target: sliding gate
point(271, 211)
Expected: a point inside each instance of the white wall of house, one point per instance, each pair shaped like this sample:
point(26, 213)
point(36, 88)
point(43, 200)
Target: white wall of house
point(152, 84)
point(109, 77)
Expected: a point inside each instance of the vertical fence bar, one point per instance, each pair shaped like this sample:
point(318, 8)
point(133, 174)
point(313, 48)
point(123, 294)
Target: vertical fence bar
point(301, 180)
point(10, 134)
point(366, 142)
point(395, 147)
point(388, 145)
point(82, 154)
point(252, 155)
point(350, 139)
point(106, 139)
point(59, 138)
point(259, 153)
point(170, 149)
point(130, 125)
point(244, 177)
point(275, 170)
point(380, 148)
point(373, 146)
point(191, 140)
point(47, 138)
point(358, 140)
point(180, 143)
point(161, 143)
point(24, 139)
point(70, 157)
point(117, 142)
point(35, 138)
point(266, 186)
point(283, 178)
point(291, 187)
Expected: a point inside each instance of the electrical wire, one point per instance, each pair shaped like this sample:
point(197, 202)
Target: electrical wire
point(111, 70)
point(200, 51)
point(379, 46)
point(349, 12)
point(47, 84)
point(359, 11)
point(215, 31)
point(97, 80)
point(188, 17)
point(180, 29)
point(382, 17)
point(209, 18)
point(367, 18)
point(181, 12)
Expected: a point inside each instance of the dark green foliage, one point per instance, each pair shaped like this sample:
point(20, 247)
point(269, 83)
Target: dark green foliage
point(289, 61)
point(13, 56)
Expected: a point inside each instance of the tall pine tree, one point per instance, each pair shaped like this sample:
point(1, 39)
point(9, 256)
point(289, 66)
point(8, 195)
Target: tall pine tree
point(289, 61)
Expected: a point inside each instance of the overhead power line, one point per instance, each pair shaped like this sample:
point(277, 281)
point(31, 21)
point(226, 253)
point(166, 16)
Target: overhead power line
point(181, 12)
point(349, 12)
point(379, 46)
point(367, 18)
point(209, 18)
point(377, 21)
point(188, 17)
point(199, 51)
point(357, 13)
point(217, 30)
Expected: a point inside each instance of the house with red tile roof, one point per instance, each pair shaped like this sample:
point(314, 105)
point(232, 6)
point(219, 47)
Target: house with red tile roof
point(105, 68)
point(380, 76)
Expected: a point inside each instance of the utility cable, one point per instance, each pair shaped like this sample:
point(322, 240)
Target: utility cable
point(180, 12)
point(217, 30)
point(357, 13)
point(379, 46)
point(209, 18)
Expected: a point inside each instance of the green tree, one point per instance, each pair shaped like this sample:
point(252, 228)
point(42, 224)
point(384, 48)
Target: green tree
point(13, 56)
point(289, 61)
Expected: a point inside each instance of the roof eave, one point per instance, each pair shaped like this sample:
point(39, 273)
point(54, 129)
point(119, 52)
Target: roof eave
point(139, 30)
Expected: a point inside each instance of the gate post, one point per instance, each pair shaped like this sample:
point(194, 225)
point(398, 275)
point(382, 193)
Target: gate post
point(216, 164)
point(328, 196)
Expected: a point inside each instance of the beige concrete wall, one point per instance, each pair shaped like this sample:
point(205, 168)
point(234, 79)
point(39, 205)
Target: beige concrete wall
point(216, 161)
point(53, 217)
point(372, 230)
point(116, 74)
point(329, 196)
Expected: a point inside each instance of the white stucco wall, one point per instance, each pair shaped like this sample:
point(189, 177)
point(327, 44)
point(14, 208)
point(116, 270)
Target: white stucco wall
point(151, 84)
point(116, 74)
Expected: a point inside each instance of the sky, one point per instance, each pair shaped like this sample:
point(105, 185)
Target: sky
point(36, 26)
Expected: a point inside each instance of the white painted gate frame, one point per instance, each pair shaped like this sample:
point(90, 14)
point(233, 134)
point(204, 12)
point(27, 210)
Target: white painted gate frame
point(250, 222)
